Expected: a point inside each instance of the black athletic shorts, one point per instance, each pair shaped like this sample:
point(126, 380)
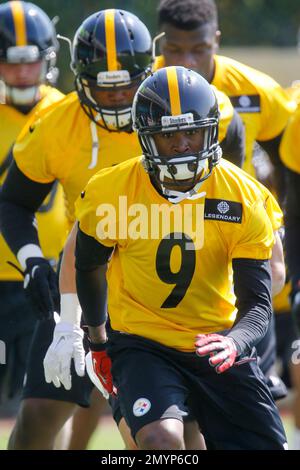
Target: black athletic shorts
point(35, 385)
point(235, 410)
point(17, 323)
point(115, 409)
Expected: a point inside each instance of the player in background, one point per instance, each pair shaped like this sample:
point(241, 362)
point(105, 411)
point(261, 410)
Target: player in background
point(289, 151)
point(192, 39)
point(28, 49)
point(90, 129)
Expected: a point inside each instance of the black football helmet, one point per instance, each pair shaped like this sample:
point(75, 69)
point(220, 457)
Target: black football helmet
point(111, 51)
point(177, 99)
point(27, 35)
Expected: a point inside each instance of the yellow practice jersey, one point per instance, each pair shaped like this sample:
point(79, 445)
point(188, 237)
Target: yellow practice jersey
point(281, 302)
point(170, 276)
point(290, 143)
point(13, 121)
point(262, 103)
point(65, 144)
point(294, 91)
point(52, 213)
point(272, 207)
point(225, 106)
point(290, 156)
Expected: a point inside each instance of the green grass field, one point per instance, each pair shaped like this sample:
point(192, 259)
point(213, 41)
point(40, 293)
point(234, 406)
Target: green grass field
point(107, 436)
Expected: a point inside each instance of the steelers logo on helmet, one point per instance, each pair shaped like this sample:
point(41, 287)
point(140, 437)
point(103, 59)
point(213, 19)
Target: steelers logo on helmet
point(176, 99)
point(27, 35)
point(111, 56)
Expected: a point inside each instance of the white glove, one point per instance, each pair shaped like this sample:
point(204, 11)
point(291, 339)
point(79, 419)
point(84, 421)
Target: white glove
point(66, 345)
point(93, 376)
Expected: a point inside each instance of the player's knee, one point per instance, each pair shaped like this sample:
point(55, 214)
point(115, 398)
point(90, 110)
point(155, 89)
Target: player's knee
point(33, 427)
point(160, 439)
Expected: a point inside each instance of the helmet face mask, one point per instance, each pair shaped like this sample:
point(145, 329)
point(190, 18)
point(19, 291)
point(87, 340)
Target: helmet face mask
point(27, 36)
point(178, 170)
point(111, 52)
point(111, 117)
point(173, 100)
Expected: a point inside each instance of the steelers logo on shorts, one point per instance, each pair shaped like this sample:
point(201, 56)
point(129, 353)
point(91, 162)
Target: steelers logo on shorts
point(141, 407)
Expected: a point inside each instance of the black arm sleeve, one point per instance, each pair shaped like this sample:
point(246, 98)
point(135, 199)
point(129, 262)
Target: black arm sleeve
point(292, 226)
point(252, 287)
point(91, 265)
point(272, 149)
point(20, 198)
point(233, 145)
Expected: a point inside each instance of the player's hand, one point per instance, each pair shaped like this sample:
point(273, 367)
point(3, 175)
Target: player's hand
point(41, 285)
point(296, 311)
point(93, 376)
point(101, 367)
point(221, 349)
point(66, 345)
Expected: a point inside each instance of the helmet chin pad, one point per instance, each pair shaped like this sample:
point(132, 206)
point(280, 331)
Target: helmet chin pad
point(182, 171)
point(21, 96)
point(116, 119)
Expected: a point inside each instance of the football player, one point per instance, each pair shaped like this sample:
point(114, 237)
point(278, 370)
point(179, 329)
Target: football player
point(170, 298)
point(290, 157)
point(28, 49)
point(90, 129)
point(192, 39)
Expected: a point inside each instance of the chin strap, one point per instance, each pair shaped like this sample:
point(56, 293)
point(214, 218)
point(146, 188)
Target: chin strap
point(174, 196)
point(22, 96)
point(95, 146)
point(177, 196)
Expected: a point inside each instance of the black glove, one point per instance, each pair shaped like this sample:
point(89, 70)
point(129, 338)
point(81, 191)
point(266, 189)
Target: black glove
point(41, 287)
point(296, 310)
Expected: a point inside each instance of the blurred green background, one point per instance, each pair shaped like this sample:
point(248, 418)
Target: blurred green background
point(269, 24)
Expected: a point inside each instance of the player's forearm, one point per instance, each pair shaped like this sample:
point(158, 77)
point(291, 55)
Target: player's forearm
point(67, 281)
point(278, 277)
point(277, 266)
point(98, 334)
point(91, 266)
point(70, 307)
point(19, 200)
point(18, 228)
point(92, 295)
point(252, 287)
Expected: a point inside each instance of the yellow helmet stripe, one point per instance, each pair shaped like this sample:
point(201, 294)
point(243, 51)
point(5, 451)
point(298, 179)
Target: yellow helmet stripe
point(173, 91)
point(110, 37)
point(19, 23)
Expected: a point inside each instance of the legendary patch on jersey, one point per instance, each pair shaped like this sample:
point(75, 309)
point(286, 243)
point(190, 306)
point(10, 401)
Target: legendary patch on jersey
point(246, 103)
point(224, 210)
